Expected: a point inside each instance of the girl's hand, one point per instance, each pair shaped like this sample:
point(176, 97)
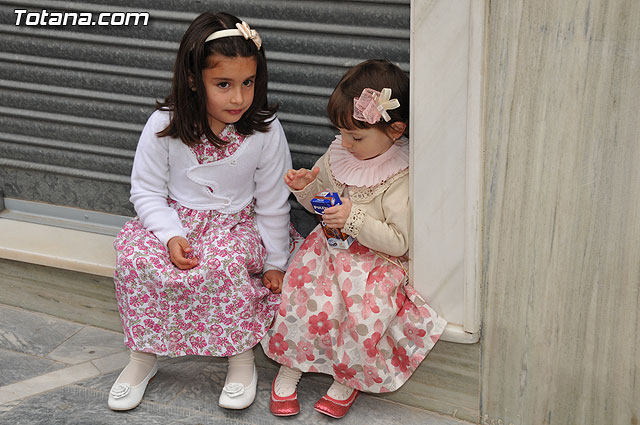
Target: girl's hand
point(299, 179)
point(272, 279)
point(178, 249)
point(336, 216)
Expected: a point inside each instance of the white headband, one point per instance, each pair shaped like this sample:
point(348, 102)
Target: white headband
point(243, 30)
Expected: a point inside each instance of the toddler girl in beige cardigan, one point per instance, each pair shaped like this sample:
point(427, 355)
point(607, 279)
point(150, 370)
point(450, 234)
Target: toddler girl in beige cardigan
point(350, 312)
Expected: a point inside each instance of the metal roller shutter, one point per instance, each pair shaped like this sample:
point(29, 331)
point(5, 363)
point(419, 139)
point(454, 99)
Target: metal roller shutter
point(74, 99)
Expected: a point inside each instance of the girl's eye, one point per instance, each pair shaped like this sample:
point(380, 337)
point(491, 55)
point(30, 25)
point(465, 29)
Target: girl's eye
point(247, 83)
point(356, 139)
point(223, 85)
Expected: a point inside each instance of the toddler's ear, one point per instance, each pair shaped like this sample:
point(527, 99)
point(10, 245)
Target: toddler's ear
point(396, 130)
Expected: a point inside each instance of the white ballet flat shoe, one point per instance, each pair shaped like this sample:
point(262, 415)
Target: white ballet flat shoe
point(237, 396)
point(125, 397)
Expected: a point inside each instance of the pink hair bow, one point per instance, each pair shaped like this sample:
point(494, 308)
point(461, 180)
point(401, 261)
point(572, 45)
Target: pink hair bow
point(248, 33)
point(373, 105)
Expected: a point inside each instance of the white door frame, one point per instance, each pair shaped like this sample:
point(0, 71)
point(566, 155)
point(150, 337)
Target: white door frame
point(447, 121)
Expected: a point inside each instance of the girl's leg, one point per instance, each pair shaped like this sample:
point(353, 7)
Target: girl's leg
point(338, 400)
point(240, 386)
point(284, 397)
point(240, 368)
point(126, 393)
point(139, 366)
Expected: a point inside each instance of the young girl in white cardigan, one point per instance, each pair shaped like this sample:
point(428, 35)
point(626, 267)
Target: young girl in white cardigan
point(351, 313)
point(195, 267)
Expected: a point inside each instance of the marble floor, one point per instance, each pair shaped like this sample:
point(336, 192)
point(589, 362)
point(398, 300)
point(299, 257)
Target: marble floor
point(59, 372)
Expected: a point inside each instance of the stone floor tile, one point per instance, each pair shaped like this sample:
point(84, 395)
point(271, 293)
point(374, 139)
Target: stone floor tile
point(74, 405)
point(10, 405)
point(18, 366)
point(112, 362)
point(197, 379)
point(46, 382)
point(88, 344)
point(32, 333)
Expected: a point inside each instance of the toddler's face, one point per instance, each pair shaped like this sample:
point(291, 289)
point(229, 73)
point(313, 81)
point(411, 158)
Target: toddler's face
point(230, 85)
point(365, 143)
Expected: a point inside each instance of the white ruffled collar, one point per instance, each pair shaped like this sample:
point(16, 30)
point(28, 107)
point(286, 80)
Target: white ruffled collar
point(351, 171)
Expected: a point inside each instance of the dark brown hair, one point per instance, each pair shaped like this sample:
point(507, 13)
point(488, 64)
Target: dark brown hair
point(374, 74)
point(189, 118)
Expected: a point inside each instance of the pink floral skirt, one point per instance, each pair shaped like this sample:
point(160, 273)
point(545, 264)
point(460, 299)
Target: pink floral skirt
point(218, 308)
point(351, 314)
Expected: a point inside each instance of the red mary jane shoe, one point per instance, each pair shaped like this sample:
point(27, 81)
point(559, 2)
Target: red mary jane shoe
point(284, 406)
point(335, 408)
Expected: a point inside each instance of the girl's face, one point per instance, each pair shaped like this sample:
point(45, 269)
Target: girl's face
point(229, 84)
point(365, 143)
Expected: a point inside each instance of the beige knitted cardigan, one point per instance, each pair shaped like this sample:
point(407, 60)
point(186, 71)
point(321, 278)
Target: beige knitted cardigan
point(380, 214)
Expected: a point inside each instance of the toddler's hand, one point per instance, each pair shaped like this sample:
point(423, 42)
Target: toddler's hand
point(298, 179)
point(336, 216)
point(178, 250)
point(272, 279)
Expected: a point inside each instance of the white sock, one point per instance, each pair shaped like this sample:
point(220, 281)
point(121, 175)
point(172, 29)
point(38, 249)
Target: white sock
point(286, 381)
point(140, 364)
point(240, 368)
point(339, 391)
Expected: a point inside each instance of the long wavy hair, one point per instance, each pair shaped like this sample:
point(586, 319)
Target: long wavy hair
point(188, 107)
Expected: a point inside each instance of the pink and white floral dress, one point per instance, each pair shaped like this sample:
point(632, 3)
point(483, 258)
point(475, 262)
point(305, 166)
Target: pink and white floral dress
point(351, 313)
point(218, 308)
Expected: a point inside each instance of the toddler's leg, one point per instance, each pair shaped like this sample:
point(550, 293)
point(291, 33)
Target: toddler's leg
point(338, 400)
point(284, 397)
point(126, 393)
point(240, 386)
point(339, 391)
point(286, 381)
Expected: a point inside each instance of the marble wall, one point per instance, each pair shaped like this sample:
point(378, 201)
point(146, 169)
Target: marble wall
point(439, 87)
point(561, 245)
point(447, 60)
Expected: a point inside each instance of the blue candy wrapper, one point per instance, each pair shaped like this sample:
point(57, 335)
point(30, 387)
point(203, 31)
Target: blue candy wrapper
point(324, 200)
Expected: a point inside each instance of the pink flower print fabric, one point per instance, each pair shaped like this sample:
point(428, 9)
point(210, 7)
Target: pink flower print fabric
point(351, 314)
point(218, 308)
point(207, 152)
